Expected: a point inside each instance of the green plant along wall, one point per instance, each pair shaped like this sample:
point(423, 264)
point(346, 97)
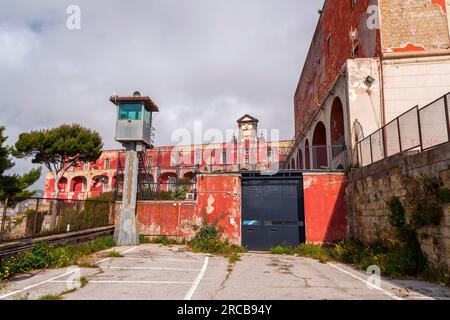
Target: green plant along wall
point(404, 201)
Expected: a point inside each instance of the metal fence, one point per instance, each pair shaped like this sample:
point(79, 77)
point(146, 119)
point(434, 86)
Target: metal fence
point(319, 157)
point(176, 190)
point(414, 131)
point(55, 216)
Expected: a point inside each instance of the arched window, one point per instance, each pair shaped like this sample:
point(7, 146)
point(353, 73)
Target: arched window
point(320, 153)
point(337, 127)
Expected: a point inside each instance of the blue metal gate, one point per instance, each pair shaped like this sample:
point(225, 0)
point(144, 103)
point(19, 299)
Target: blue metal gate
point(272, 210)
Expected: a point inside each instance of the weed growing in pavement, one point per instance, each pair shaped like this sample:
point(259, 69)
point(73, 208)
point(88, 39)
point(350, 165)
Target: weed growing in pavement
point(165, 241)
point(114, 254)
point(50, 297)
point(233, 258)
point(83, 282)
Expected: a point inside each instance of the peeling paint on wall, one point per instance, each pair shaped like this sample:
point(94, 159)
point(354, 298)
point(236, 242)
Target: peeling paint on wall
point(407, 48)
point(180, 219)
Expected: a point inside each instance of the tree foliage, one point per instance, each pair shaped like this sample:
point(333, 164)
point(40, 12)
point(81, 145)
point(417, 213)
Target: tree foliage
point(5, 161)
point(14, 187)
point(60, 148)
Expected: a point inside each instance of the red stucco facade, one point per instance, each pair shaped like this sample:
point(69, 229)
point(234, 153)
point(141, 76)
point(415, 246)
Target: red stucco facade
point(325, 207)
point(218, 202)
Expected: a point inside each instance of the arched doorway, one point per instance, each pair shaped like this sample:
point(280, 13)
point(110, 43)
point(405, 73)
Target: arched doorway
point(320, 154)
point(307, 155)
point(337, 127)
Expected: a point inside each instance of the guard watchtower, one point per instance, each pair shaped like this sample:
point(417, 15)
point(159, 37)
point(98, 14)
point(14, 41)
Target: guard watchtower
point(135, 132)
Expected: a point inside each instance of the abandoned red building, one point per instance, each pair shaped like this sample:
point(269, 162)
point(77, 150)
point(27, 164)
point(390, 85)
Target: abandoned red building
point(369, 62)
point(168, 164)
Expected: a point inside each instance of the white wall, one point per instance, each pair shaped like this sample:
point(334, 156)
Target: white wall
point(411, 82)
point(364, 102)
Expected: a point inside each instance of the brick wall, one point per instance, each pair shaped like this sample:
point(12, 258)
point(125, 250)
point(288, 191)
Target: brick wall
point(371, 187)
point(331, 46)
point(415, 25)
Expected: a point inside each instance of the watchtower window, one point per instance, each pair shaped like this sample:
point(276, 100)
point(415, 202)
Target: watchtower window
point(147, 117)
point(130, 112)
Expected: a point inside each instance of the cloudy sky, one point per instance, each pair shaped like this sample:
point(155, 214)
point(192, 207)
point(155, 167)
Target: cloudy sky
point(208, 60)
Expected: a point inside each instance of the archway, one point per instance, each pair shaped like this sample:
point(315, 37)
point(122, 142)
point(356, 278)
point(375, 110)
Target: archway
point(337, 127)
point(307, 155)
point(168, 181)
point(189, 175)
point(79, 184)
point(62, 184)
point(99, 183)
point(292, 164)
point(320, 154)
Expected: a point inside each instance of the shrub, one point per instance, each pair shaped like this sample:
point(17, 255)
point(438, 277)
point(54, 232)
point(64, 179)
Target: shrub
point(397, 216)
point(207, 240)
point(425, 203)
point(287, 250)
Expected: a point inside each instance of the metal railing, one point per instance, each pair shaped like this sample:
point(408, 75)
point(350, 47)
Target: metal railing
point(177, 190)
point(416, 130)
point(320, 157)
point(41, 217)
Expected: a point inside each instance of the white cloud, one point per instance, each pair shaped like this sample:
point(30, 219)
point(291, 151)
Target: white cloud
point(198, 59)
point(15, 45)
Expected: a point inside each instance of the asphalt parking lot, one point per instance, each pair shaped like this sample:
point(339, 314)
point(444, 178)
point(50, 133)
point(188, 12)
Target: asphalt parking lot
point(154, 272)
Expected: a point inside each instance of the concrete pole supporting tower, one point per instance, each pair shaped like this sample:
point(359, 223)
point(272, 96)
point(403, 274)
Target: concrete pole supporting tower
point(134, 130)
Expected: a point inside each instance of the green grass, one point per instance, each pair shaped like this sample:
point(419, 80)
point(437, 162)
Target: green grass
point(114, 254)
point(164, 240)
point(45, 256)
point(50, 297)
point(143, 239)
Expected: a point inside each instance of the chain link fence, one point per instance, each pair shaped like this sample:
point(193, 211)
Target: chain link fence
point(416, 130)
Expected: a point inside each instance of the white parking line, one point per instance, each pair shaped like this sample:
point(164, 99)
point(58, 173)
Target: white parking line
point(128, 281)
point(393, 296)
point(178, 260)
point(57, 277)
point(150, 259)
point(148, 268)
point(129, 250)
point(197, 280)
point(104, 260)
point(38, 284)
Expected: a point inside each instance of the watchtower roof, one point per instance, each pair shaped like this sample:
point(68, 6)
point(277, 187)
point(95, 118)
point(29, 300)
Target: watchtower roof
point(148, 103)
